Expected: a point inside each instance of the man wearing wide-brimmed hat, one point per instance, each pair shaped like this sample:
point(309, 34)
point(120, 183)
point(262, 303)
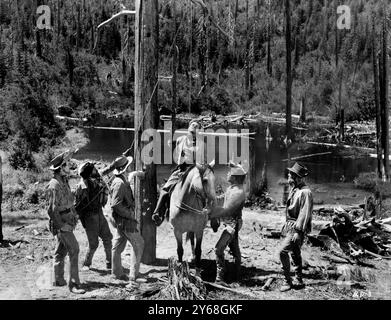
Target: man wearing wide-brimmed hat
point(185, 156)
point(90, 197)
point(298, 223)
point(231, 215)
point(63, 220)
point(125, 221)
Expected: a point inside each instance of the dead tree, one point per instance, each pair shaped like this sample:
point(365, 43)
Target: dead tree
point(288, 127)
point(146, 116)
point(380, 167)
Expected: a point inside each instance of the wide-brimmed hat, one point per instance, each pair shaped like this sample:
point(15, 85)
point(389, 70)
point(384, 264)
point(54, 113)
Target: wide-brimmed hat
point(299, 170)
point(59, 160)
point(121, 164)
point(191, 126)
point(236, 169)
point(86, 168)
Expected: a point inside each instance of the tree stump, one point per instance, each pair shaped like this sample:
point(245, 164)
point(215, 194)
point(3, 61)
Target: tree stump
point(182, 285)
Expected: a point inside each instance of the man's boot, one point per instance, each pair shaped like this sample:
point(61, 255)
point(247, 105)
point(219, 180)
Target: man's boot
point(220, 263)
point(161, 207)
point(237, 269)
point(287, 285)
point(298, 280)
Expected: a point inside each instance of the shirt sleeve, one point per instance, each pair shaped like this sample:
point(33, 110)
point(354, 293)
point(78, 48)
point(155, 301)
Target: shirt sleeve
point(305, 216)
point(80, 198)
point(53, 212)
point(232, 206)
point(117, 200)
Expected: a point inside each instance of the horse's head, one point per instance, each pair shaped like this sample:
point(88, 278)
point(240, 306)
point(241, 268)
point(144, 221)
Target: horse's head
point(204, 183)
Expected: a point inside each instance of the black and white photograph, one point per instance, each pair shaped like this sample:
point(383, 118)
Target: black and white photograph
point(211, 151)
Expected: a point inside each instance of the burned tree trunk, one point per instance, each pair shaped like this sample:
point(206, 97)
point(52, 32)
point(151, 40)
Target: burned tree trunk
point(377, 103)
point(288, 128)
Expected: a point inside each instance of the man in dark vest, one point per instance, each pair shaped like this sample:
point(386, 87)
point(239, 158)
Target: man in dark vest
point(298, 223)
point(91, 196)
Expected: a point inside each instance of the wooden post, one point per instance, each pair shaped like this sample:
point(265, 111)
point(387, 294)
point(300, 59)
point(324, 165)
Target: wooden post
point(146, 117)
point(1, 199)
point(252, 169)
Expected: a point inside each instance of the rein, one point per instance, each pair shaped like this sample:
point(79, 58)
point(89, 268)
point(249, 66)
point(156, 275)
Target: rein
point(186, 207)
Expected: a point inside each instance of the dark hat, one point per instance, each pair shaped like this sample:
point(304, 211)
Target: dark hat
point(121, 164)
point(85, 169)
point(58, 161)
point(299, 170)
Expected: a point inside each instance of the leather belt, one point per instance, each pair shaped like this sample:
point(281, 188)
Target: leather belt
point(65, 211)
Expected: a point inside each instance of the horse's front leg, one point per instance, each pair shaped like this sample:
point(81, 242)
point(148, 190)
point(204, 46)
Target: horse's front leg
point(178, 237)
point(199, 236)
point(190, 236)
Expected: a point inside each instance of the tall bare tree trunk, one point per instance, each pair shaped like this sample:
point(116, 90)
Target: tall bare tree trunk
point(384, 97)
point(247, 63)
point(380, 166)
point(174, 69)
point(288, 126)
point(146, 116)
point(269, 37)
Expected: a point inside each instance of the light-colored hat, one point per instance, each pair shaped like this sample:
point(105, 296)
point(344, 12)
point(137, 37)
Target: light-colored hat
point(58, 161)
point(237, 169)
point(121, 164)
point(194, 125)
point(299, 170)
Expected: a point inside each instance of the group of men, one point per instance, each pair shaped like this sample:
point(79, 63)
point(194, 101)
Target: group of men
point(91, 195)
point(65, 208)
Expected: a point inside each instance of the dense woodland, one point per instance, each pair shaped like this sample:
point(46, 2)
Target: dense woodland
point(220, 56)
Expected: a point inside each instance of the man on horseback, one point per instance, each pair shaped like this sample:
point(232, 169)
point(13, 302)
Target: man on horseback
point(231, 214)
point(186, 155)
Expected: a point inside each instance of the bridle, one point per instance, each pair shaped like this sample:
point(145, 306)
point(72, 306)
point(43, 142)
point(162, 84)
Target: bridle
point(200, 197)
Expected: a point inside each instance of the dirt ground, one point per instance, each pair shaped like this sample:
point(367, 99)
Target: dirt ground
point(25, 266)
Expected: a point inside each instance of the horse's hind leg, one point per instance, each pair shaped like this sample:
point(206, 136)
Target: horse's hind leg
point(199, 236)
point(178, 237)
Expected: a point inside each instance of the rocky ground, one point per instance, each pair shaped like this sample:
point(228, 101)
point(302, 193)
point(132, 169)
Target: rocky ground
point(26, 265)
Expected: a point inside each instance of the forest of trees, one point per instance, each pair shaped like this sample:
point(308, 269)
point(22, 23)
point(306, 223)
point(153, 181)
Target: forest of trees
point(219, 56)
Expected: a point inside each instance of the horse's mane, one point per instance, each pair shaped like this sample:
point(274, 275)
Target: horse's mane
point(184, 176)
point(201, 168)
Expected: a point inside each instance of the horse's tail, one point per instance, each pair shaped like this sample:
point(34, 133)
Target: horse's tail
point(189, 236)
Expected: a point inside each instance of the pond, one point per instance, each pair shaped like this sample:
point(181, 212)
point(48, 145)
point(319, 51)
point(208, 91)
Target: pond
point(106, 145)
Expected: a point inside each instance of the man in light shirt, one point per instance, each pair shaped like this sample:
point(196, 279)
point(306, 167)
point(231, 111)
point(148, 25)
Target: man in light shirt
point(298, 223)
point(185, 156)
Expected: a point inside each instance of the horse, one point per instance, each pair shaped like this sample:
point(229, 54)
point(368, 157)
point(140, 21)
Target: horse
point(194, 192)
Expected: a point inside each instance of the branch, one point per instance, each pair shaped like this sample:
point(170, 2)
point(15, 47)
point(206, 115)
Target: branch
point(122, 13)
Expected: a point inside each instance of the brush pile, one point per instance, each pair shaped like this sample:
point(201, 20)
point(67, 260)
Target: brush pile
point(351, 239)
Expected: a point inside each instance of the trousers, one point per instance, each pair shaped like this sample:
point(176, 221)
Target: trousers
point(96, 227)
point(294, 247)
point(66, 244)
point(119, 244)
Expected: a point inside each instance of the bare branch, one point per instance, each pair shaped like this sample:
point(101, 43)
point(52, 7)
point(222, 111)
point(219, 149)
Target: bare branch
point(117, 15)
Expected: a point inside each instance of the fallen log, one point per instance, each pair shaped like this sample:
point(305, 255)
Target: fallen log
point(238, 292)
point(268, 284)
